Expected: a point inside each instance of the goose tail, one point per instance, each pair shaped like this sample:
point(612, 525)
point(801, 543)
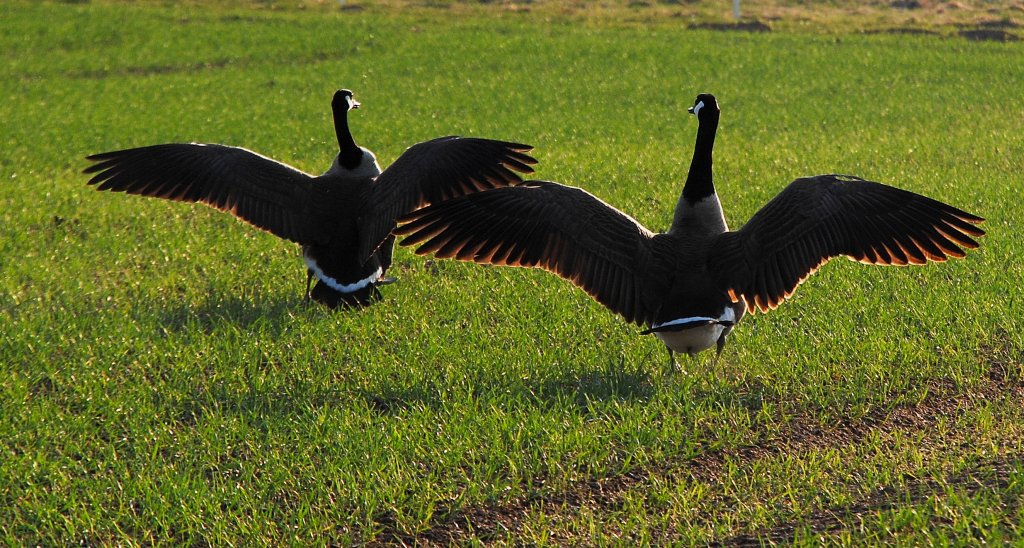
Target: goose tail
point(332, 298)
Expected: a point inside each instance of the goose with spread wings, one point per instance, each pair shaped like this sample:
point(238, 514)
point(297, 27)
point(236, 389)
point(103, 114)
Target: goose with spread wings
point(691, 285)
point(343, 218)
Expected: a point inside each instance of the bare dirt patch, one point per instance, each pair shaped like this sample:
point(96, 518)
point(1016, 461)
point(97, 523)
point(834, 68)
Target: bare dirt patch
point(746, 26)
point(942, 17)
point(989, 35)
point(907, 31)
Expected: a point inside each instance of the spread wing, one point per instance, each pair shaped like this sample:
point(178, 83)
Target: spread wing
point(266, 193)
point(564, 230)
point(433, 171)
point(817, 218)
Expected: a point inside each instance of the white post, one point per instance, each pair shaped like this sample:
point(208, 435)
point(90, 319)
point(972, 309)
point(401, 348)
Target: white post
point(736, 9)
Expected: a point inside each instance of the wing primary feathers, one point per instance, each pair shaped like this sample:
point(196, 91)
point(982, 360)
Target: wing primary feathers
point(231, 179)
point(904, 238)
point(540, 224)
point(817, 218)
point(437, 171)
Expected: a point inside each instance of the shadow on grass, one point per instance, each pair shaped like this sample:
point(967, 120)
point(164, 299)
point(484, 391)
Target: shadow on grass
point(611, 381)
point(242, 312)
point(585, 388)
point(571, 390)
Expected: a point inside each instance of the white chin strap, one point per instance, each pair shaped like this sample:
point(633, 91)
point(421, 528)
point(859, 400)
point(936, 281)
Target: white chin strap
point(697, 107)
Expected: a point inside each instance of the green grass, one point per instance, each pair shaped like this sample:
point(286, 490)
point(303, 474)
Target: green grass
point(162, 381)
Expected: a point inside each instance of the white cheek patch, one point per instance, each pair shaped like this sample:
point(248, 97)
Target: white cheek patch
point(337, 286)
point(697, 107)
point(351, 102)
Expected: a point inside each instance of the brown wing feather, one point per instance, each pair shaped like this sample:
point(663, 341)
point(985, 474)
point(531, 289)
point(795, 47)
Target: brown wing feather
point(267, 194)
point(561, 229)
point(437, 170)
point(817, 218)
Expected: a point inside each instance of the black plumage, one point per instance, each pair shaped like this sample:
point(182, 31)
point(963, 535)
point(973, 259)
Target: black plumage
point(343, 218)
point(690, 285)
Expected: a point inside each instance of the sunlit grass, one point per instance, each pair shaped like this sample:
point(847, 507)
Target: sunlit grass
point(163, 380)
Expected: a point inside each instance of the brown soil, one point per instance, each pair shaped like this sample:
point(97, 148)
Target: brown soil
point(989, 35)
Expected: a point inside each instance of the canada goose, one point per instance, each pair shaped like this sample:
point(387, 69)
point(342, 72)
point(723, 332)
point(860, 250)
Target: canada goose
point(343, 218)
point(691, 285)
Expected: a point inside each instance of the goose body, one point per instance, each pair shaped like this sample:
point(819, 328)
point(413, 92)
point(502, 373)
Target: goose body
point(343, 218)
point(689, 286)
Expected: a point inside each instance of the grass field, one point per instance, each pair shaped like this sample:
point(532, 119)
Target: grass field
point(161, 380)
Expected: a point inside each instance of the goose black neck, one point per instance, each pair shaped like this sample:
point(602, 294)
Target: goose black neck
point(699, 184)
point(349, 153)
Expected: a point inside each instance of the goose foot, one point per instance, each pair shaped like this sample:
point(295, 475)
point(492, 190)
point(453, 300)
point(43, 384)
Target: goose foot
point(309, 282)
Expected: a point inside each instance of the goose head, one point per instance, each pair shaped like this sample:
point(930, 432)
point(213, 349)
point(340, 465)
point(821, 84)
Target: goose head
point(705, 106)
point(352, 159)
point(344, 100)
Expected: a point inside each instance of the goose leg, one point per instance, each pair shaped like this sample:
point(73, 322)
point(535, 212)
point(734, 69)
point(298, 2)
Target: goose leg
point(718, 349)
point(309, 281)
point(721, 339)
point(672, 366)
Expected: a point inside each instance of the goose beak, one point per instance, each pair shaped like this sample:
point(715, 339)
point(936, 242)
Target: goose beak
point(353, 103)
point(690, 110)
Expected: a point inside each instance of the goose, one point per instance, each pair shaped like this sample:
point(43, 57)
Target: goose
point(343, 218)
point(689, 286)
